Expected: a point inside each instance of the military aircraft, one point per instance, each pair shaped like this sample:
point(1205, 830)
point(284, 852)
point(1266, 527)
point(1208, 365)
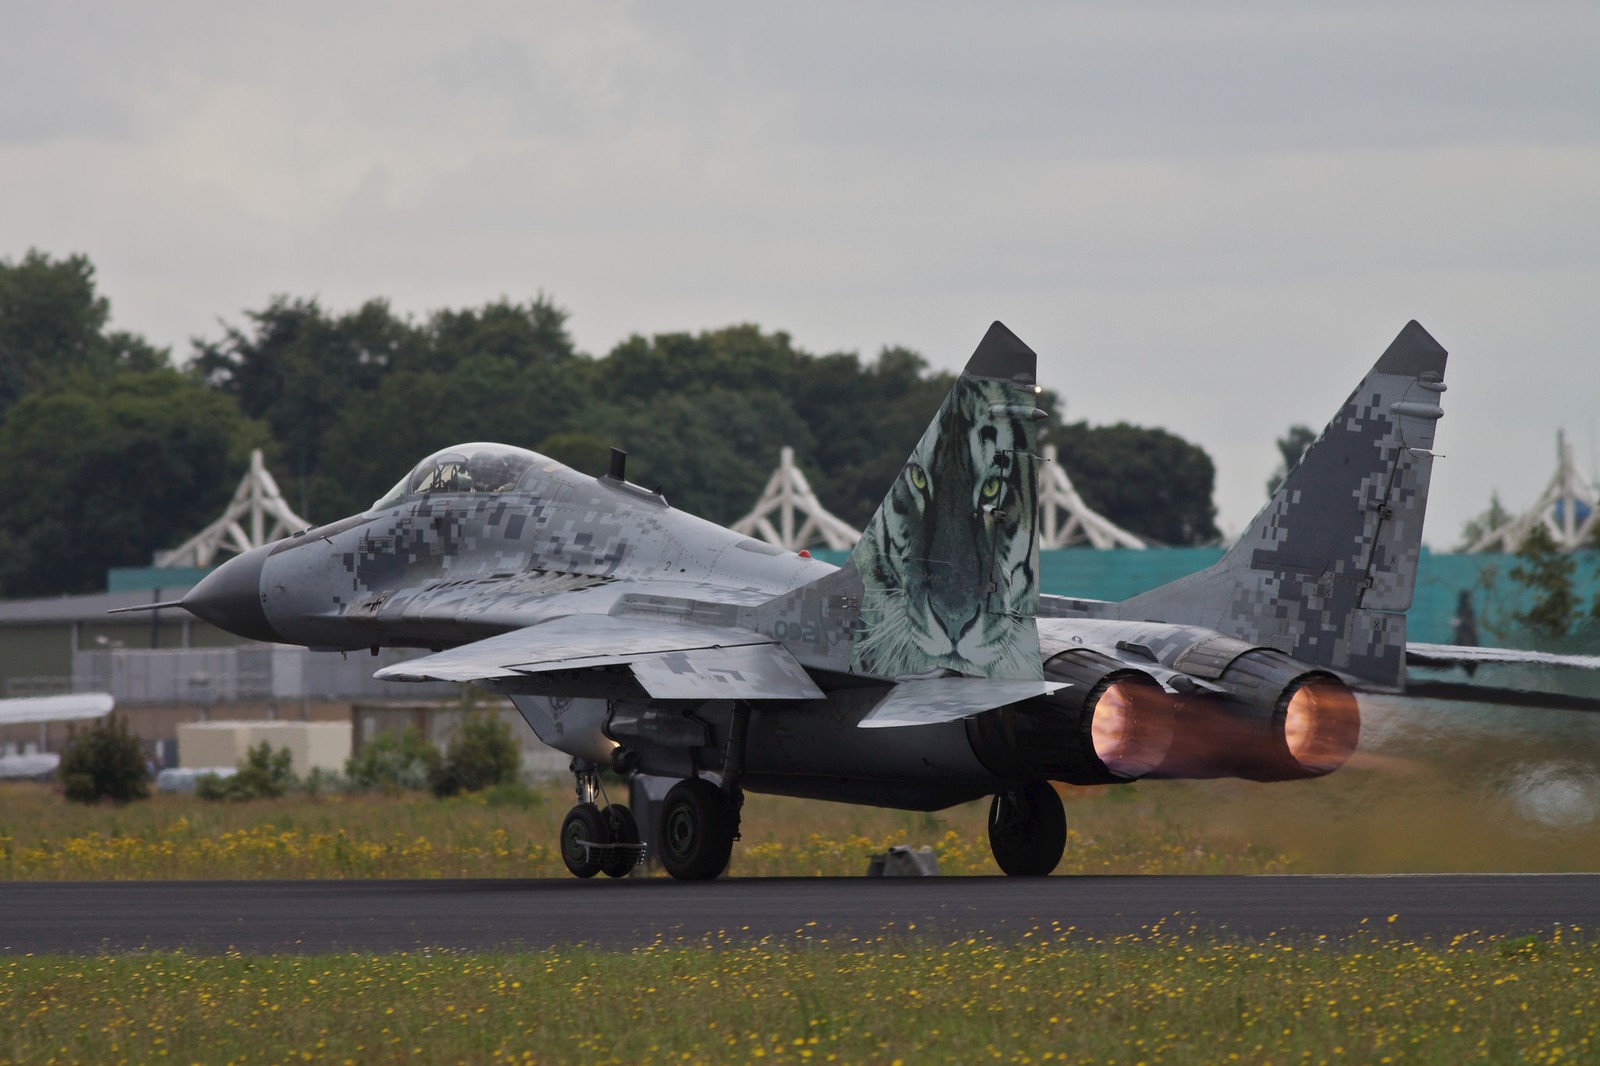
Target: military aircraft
point(925, 672)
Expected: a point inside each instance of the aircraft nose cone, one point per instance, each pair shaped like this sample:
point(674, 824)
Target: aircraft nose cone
point(230, 597)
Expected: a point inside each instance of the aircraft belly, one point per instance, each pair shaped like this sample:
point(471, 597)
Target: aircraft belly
point(822, 738)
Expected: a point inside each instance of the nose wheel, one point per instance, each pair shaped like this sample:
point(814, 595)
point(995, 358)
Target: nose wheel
point(1027, 830)
point(599, 840)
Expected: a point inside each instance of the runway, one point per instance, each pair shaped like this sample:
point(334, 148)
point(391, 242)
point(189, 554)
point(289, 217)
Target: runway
point(373, 916)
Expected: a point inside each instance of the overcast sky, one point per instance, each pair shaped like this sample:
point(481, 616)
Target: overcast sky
point(1210, 218)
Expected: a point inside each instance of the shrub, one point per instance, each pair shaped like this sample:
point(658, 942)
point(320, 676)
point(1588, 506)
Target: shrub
point(392, 761)
point(482, 753)
point(263, 774)
point(103, 761)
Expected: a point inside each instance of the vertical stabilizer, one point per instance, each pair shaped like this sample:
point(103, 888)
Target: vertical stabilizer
point(1328, 567)
point(949, 564)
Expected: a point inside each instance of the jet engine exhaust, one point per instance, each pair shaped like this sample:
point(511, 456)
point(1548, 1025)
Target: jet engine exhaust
point(1131, 726)
point(1279, 721)
point(1114, 724)
point(1321, 725)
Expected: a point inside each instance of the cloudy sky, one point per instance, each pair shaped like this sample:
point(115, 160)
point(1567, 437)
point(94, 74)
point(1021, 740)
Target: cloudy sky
point(1207, 217)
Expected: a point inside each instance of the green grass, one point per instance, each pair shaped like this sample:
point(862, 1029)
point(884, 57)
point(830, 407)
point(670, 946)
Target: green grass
point(1053, 996)
point(513, 835)
point(1503, 801)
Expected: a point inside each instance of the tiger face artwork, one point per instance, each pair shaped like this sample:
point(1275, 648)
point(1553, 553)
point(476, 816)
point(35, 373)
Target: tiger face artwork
point(949, 564)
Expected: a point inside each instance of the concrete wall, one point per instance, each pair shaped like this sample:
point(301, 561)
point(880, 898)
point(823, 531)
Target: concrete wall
point(323, 745)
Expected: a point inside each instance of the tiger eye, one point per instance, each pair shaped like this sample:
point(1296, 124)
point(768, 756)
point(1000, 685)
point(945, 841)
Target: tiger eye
point(991, 488)
point(918, 478)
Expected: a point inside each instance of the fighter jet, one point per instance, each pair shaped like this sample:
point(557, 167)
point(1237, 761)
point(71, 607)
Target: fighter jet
point(926, 671)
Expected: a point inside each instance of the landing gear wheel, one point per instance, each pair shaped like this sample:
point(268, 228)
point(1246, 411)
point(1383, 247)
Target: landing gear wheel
point(697, 830)
point(624, 830)
point(1027, 830)
point(585, 825)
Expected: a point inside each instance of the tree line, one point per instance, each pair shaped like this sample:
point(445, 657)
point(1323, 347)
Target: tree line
point(112, 449)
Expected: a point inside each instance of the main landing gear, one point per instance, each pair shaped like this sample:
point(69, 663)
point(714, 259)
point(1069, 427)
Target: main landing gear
point(1027, 830)
point(699, 823)
point(595, 839)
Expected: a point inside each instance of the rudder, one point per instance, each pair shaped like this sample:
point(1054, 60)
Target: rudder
point(949, 564)
point(1327, 568)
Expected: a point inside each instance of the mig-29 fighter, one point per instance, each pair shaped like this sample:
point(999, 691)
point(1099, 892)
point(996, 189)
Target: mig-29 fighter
point(927, 671)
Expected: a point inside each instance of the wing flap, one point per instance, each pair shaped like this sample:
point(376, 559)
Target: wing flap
point(751, 672)
point(669, 661)
point(949, 699)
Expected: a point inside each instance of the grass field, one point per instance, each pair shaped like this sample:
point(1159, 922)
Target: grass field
point(1493, 804)
point(1052, 997)
point(1430, 792)
point(511, 833)
point(1443, 790)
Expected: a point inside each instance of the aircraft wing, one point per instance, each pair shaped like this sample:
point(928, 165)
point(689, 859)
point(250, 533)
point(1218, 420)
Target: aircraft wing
point(68, 708)
point(669, 661)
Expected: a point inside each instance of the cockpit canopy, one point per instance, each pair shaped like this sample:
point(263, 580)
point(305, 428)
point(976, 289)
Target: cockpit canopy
point(464, 468)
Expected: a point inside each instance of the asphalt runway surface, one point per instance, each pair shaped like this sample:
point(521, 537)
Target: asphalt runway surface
point(370, 916)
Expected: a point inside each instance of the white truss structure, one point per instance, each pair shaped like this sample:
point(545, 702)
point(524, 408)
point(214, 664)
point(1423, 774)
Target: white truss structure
point(1569, 491)
point(1065, 520)
point(788, 498)
point(257, 502)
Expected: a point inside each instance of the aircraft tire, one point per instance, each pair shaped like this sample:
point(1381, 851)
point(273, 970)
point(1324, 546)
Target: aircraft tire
point(697, 828)
point(584, 823)
point(624, 830)
point(1027, 830)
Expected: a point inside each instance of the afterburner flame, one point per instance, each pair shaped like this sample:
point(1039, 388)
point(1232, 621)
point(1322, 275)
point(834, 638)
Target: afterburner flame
point(1132, 727)
point(1321, 725)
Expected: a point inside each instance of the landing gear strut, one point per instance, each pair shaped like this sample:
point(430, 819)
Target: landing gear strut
point(700, 820)
point(596, 840)
point(1027, 830)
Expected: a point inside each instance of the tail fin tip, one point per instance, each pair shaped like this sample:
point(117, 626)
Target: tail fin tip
point(1003, 356)
point(1413, 352)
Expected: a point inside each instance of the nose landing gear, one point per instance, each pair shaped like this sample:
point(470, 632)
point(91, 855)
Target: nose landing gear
point(596, 840)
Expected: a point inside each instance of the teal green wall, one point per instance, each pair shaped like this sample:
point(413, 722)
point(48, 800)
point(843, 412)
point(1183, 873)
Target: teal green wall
point(1118, 574)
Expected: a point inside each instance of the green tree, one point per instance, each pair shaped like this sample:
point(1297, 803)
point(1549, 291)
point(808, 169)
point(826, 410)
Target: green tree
point(105, 473)
point(482, 753)
point(103, 762)
point(1549, 573)
point(710, 451)
point(1147, 481)
point(296, 367)
point(53, 328)
point(1291, 449)
point(393, 760)
point(587, 453)
point(504, 372)
point(1480, 526)
point(264, 773)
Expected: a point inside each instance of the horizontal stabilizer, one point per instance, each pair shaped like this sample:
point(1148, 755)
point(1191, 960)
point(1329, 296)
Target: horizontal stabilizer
point(70, 708)
point(1499, 696)
point(1490, 687)
point(949, 699)
point(669, 661)
point(1462, 655)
